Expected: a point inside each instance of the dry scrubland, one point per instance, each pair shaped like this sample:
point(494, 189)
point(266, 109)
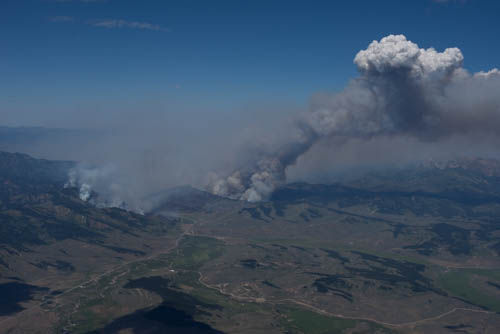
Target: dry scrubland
point(414, 252)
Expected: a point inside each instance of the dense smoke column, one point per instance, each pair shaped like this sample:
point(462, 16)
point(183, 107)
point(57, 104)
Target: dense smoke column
point(255, 182)
point(395, 93)
point(402, 90)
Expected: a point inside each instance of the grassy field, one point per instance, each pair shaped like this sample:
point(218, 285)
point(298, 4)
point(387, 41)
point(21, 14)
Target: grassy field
point(463, 284)
point(193, 252)
point(313, 323)
point(303, 321)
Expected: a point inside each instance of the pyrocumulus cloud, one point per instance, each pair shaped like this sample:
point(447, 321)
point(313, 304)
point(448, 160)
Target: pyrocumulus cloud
point(402, 90)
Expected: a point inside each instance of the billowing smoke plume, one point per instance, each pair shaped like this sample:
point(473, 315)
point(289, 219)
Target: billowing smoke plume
point(97, 185)
point(402, 90)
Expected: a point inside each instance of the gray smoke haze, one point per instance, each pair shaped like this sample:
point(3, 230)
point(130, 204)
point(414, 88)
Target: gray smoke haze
point(407, 104)
point(420, 99)
point(128, 156)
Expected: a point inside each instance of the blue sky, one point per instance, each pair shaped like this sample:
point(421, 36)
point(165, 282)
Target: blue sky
point(74, 57)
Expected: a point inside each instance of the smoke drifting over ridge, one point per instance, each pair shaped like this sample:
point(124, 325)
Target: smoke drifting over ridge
point(408, 104)
point(403, 91)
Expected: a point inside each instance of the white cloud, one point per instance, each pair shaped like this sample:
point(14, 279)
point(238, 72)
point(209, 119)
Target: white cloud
point(111, 23)
point(396, 52)
point(119, 23)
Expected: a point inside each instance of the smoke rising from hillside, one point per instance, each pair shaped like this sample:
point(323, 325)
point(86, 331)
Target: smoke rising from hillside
point(403, 91)
point(407, 104)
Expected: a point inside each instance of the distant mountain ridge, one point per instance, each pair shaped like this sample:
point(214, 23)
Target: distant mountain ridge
point(24, 169)
point(454, 179)
point(488, 167)
point(475, 176)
